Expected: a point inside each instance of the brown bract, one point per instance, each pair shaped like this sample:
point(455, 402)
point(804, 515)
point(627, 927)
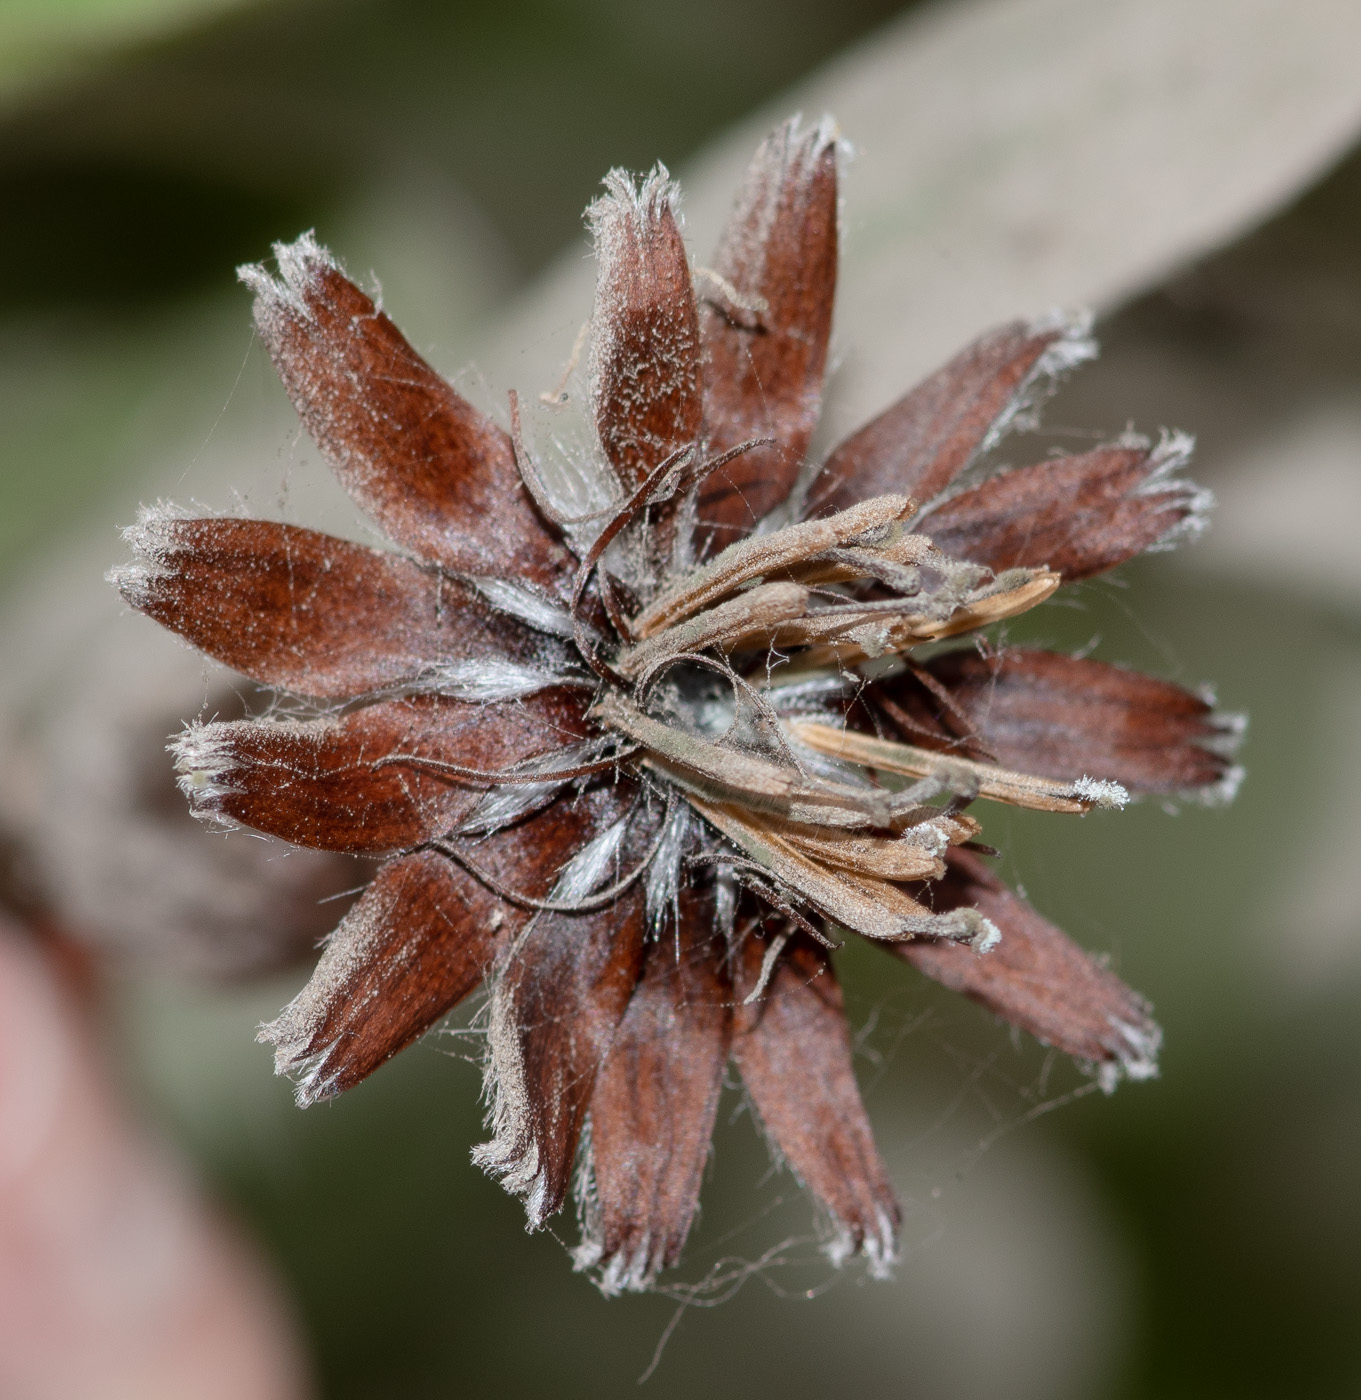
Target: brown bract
point(640, 737)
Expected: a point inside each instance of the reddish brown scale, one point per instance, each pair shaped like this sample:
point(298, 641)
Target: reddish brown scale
point(794, 1051)
point(1079, 515)
point(341, 785)
point(306, 612)
point(764, 357)
point(645, 358)
point(420, 939)
point(921, 443)
point(555, 1008)
point(1066, 717)
point(413, 453)
point(1036, 978)
point(655, 1100)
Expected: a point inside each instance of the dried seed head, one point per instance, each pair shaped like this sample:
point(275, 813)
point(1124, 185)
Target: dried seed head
point(641, 735)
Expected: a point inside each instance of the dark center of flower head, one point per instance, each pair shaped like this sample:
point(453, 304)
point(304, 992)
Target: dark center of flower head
point(642, 728)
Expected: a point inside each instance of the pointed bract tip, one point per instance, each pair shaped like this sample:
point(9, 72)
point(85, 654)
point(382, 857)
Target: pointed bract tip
point(300, 266)
point(150, 540)
point(879, 1246)
point(296, 1057)
point(633, 1269)
point(1195, 503)
point(203, 763)
point(150, 535)
point(1221, 793)
point(1135, 1053)
point(802, 142)
point(1073, 344)
point(643, 201)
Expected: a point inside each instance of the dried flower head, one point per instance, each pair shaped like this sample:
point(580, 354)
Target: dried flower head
point(640, 730)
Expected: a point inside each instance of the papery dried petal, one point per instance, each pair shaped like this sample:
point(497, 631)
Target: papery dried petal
point(921, 443)
point(342, 784)
point(1080, 515)
point(765, 350)
point(1066, 716)
point(1038, 979)
point(764, 556)
point(418, 457)
point(848, 633)
point(418, 941)
point(873, 907)
point(707, 768)
point(750, 619)
point(320, 616)
point(963, 775)
point(645, 328)
point(652, 1112)
point(794, 1051)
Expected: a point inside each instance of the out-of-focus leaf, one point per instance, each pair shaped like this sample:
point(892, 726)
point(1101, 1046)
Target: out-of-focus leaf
point(44, 39)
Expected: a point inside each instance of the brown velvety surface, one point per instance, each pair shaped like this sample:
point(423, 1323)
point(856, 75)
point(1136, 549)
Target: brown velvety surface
point(794, 1050)
point(419, 940)
point(1036, 978)
point(652, 1113)
point(763, 368)
point(418, 457)
point(1079, 515)
point(331, 784)
point(920, 444)
point(307, 612)
point(645, 361)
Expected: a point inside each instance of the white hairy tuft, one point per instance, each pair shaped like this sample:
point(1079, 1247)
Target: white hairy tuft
point(301, 264)
point(584, 872)
point(310, 1084)
point(204, 763)
point(1171, 455)
point(1230, 727)
point(540, 612)
point(1101, 793)
point(150, 541)
point(641, 203)
point(1218, 794)
point(987, 937)
point(507, 803)
point(484, 680)
point(930, 836)
point(664, 874)
point(964, 925)
point(879, 1246)
point(1136, 1054)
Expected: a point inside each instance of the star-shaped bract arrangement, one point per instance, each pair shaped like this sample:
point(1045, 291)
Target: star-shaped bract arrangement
point(641, 733)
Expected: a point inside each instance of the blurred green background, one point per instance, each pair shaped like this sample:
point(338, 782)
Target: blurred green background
point(1197, 1236)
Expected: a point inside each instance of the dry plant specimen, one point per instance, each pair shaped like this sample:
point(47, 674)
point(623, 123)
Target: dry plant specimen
point(642, 730)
